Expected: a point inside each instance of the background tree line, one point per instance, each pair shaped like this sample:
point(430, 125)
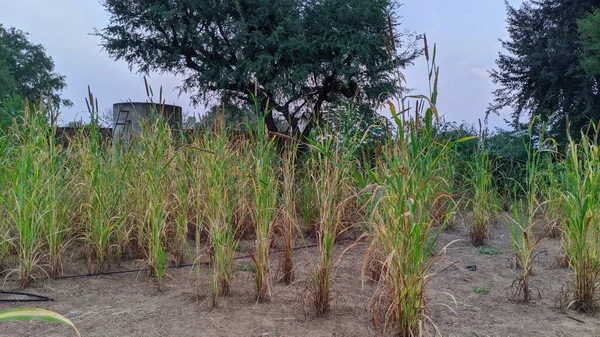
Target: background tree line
point(306, 58)
point(550, 67)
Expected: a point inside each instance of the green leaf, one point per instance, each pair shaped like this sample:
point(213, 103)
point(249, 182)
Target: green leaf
point(27, 314)
point(464, 139)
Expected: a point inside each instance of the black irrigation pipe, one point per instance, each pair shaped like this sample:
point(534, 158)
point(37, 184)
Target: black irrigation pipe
point(31, 297)
point(40, 298)
point(179, 266)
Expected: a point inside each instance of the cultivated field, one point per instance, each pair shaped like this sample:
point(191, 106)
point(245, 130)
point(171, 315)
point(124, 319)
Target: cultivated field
point(332, 233)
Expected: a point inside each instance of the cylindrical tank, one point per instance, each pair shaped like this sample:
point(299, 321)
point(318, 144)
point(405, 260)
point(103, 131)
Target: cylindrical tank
point(127, 117)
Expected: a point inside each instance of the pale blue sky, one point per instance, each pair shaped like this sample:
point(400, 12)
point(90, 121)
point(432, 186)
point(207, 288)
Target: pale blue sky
point(466, 32)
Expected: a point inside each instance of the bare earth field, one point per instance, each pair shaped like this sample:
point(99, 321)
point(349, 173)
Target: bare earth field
point(128, 304)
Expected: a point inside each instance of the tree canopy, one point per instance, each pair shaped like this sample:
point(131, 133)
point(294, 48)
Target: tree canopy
point(541, 72)
point(26, 70)
point(589, 29)
point(301, 54)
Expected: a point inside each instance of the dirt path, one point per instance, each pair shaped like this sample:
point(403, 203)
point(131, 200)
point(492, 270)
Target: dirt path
point(462, 302)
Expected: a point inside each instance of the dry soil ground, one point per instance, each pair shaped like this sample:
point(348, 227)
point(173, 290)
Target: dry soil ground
point(462, 302)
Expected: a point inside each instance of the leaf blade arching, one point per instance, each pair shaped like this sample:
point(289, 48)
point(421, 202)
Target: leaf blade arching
point(28, 314)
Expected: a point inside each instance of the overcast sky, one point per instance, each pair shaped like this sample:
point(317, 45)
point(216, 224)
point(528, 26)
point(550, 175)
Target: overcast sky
point(466, 32)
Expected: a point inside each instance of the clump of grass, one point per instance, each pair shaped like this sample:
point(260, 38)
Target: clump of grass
point(100, 179)
point(218, 179)
point(102, 209)
point(581, 238)
point(404, 233)
point(481, 291)
point(524, 247)
point(288, 227)
point(246, 266)
point(156, 158)
point(410, 179)
point(332, 158)
point(22, 212)
point(183, 206)
point(56, 219)
point(27, 203)
point(265, 192)
point(523, 219)
point(486, 250)
point(484, 199)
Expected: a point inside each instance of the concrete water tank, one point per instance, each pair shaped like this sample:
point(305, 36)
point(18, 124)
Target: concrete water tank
point(128, 116)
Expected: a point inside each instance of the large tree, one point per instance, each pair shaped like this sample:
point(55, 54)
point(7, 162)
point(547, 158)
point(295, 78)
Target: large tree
point(541, 72)
point(26, 70)
point(303, 54)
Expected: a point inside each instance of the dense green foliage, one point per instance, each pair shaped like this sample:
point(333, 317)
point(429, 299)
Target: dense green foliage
point(11, 107)
point(26, 70)
point(301, 55)
point(541, 72)
point(589, 28)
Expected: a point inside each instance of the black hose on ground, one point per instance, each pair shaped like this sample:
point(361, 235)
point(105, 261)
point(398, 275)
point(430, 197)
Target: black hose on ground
point(30, 297)
point(40, 298)
point(179, 266)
